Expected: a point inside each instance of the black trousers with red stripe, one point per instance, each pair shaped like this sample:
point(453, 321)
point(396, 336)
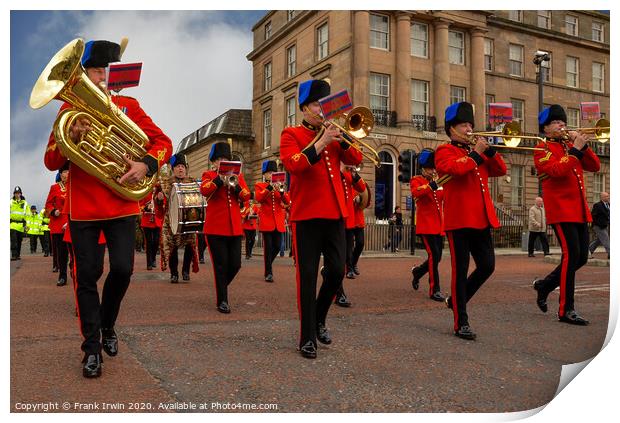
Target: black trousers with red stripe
point(310, 239)
point(434, 247)
point(250, 238)
point(120, 237)
point(574, 239)
point(463, 242)
point(60, 254)
point(271, 248)
point(358, 247)
point(225, 254)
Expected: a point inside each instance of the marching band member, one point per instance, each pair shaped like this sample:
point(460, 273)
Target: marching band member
point(55, 206)
point(151, 222)
point(312, 153)
point(560, 168)
point(469, 213)
point(249, 216)
point(271, 216)
point(358, 229)
point(429, 222)
point(170, 242)
point(223, 223)
point(93, 207)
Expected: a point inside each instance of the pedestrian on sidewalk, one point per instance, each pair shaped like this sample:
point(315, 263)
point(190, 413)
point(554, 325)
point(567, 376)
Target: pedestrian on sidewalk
point(537, 225)
point(600, 224)
point(395, 223)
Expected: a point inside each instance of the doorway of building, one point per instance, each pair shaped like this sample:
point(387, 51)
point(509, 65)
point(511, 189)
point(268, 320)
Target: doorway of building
point(384, 186)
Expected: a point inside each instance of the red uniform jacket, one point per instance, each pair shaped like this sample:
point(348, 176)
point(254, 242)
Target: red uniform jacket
point(360, 219)
point(90, 199)
point(56, 201)
point(272, 213)
point(467, 201)
point(428, 207)
point(247, 223)
point(561, 171)
point(223, 215)
point(316, 187)
point(350, 190)
point(153, 218)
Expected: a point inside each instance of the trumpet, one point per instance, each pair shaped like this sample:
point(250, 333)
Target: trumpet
point(601, 130)
point(279, 187)
point(511, 135)
point(231, 180)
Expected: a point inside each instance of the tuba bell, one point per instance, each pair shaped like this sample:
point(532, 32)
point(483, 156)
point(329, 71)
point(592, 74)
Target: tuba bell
point(113, 135)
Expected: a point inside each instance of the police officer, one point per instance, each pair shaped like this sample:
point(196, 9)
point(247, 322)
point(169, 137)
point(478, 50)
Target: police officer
point(33, 228)
point(469, 213)
point(94, 207)
point(429, 222)
point(311, 153)
point(19, 208)
point(560, 167)
point(55, 206)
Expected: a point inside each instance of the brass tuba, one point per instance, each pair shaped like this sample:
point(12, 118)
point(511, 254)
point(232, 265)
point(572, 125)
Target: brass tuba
point(113, 135)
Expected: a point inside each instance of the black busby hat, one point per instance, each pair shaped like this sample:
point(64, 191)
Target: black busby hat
point(458, 113)
point(99, 54)
point(548, 115)
point(64, 166)
point(220, 150)
point(312, 90)
point(426, 158)
point(270, 166)
point(178, 159)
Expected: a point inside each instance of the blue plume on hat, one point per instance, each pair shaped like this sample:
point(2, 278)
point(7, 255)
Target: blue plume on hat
point(58, 177)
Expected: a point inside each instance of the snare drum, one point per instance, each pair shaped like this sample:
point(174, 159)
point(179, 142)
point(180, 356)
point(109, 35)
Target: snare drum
point(187, 208)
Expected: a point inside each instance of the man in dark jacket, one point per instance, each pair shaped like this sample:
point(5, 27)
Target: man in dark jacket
point(600, 224)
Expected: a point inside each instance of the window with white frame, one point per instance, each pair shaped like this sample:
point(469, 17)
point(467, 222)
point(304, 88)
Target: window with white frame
point(267, 76)
point(515, 56)
point(488, 99)
point(572, 72)
point(291, 61)
point(488, 54)
point(515, 15)
point(419, 40)
point(267, 30)
point(379, 31)
point(290, 14)
point(267, 128)
point(517, 185)
point(291, 110)
point(572, 25)
point(598, 77)
point(598, 184)
point(517, 111)
point(457, 94)
point(545, 67)
point(456, 47)
point(598, 32)
point(419, 97)
point(544, 19)
point(572, 117)
point(379, 91)
point(322, 41)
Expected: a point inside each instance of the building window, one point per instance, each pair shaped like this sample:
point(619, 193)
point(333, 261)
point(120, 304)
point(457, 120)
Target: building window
point(456, 43)
point(291, 61)
point(419, 40)
point(598, 77)
point(597, 32)
point(379, 32)
point(545, 68)
point(572, 72)
point(290, 14)
point(267, 128)
point(457, 94)
point(598, 184)
point(419, 97)
point(544, 19)
point(291, 110)
point(267, 30)
point(385, 182)
point(517, 111)
point(515, 15)
point(488, 54)
point(488, 99)
point(572, 117)
point(267, 76)
point(516, 60)
point(379, 91)
point(322, 40)
point(572, 25)
point(517, 179)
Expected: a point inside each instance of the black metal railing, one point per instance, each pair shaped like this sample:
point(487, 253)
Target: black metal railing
point(424, 123)
point(384, 117)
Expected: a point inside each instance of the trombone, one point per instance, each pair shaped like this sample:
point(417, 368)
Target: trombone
point(357, 125)
point(601, 130)
point(511, 135)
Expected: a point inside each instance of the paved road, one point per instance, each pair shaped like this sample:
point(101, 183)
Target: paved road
point(393, 350)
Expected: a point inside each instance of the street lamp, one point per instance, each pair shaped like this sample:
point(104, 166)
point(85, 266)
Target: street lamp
point(539, 58)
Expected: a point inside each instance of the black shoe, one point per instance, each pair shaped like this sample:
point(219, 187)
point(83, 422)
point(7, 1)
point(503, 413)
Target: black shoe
point(174, 279)
point(19, 258)
point(448, 301)
point(547, 254)
point(356, 270)
point(541, 297)
point(201, 261)
point(54, 269)
point(437, 296)
point(13, 258)
point(149, 267)
point(109, 341)
point(343, 301)
point(61, 282)
point(185, 276)
point(531, 255)
point(415, 282)
point(92, 365)
point(308, 350)
point(247, 257)
point(465, 332)
point(269, 278)
point(350, 274)
point(322, 334)
point(223, 307)
point(46, 255)
point(573, 318)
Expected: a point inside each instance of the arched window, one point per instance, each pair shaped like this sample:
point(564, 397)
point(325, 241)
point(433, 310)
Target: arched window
point(384, 186)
